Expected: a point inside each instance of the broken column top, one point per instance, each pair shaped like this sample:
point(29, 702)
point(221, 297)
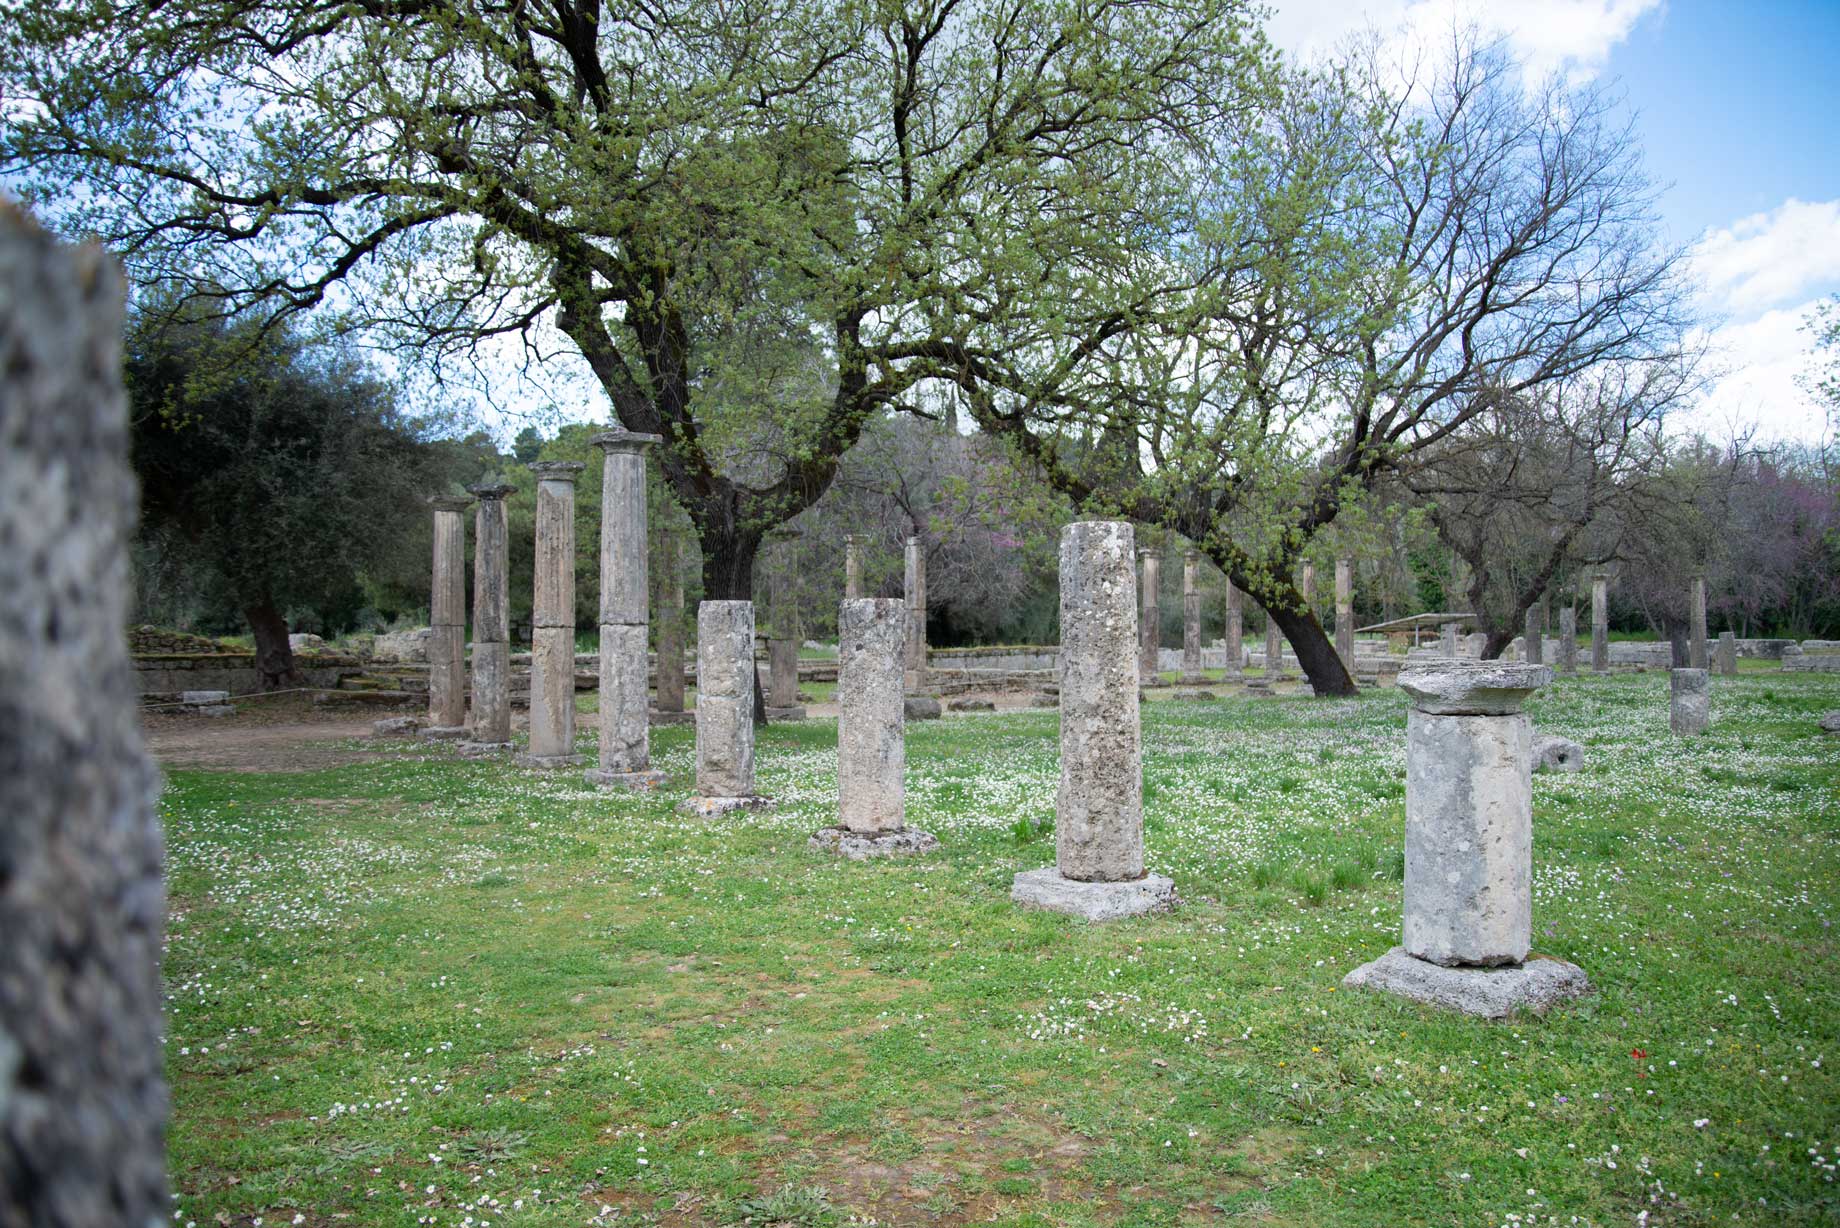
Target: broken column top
point(556, 471)
point(449, 503)
point(499, 490)
point(1446, 687)
point(621, 440)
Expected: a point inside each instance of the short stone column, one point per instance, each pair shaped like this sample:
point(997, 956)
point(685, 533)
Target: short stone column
point(852, 567)
point(1150, 621)
point(1568, 639)
point(1447, 639)
point(1533, 640)
point(783, 628)
point(1469, 846)
point(1689, 701)
point(1696, 622)
point(1191, 619)
point(668, 583)
point(447, 620)
point(1600, 623)
point(915, 680)
point(1236, 647)
point(1727, 656)
point(871, 735)
point(724, 709)
point(552, 633)
point(626, 616)
point(1344, 612)
point(1099, 824)
point(491, 716)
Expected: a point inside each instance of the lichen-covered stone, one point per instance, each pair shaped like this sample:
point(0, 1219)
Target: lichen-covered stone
point(625, 740)
point(1535, 986)
point(1555, 754)
point(861, 846)
point(552, 697)
point(871, 734)
point(921, 708)
point(725, 699)
point(1093, 901)
point(1690, 701)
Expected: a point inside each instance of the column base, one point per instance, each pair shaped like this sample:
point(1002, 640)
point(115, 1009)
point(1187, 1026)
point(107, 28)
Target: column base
point(1047, 888)
point(483, 750)
point(528, 760)
point(860, 846)
point(639, 782)
point(446, 733)
point(785, 714)
point(1537, 985)
point(710, 807)
point(658, 716)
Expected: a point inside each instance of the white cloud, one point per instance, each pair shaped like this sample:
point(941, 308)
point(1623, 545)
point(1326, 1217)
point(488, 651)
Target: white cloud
point(1772, 258)
point(1761, 358)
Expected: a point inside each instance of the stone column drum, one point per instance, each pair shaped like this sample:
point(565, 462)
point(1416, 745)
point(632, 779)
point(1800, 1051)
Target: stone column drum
point(916, 615)
point(1568, 639)
point(1689, 701)
point(669, 583)
point(1696, 622)
point(1532, 638)
point(724, 709)
point(1727, 656)
point(552, 634)
point(871, 735)
point(1149, 626)
point(1600, 623)
point(1099, 824)
point(1469, 845)
point(1236, 648)
point(1344, 612)
point(783, 628)
point(625, 616)
point(447, 620)
point(491, 714)
point(852, 566)
point(1191, 619)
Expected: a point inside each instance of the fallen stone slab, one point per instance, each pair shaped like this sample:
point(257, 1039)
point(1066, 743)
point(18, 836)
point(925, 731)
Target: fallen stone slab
point(1537, 985)
point(1042, 699)
point(921, 708)
point(1090, 901)
point(200, 699)
point(972, 705)
point(1556, 754)
point(397, 727)
point(1197, 696)
point(1831, 723)
point(860, 846)
point(711, 807)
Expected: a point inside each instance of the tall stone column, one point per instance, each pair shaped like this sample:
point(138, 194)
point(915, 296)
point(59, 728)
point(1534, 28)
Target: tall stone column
point(1532, 637)
point(724, 709)
point(1149, 627)
point(669, 582)
point(626, 612)
point(871, 736)
point(552, 634)
point(852, 567)
point(1727, 656)
point(783, 628)
point(1469, 846)
point(447, 620)
point(1236, 648)
point(1191, 619)
point(1344, 613)
point(1696, 622)
point(491, 714)
point(916, 615)
point(1099, 824)
point(1568, 639)
point(1689, 701)
point(1600, 623)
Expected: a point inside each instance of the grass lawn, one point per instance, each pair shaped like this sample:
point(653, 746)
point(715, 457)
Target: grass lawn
point(426, 990)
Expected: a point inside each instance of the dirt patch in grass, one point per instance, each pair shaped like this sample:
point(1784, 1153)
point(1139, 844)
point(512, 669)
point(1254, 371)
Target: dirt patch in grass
point(275, 735)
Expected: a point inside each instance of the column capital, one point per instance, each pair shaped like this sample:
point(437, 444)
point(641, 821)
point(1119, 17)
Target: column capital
point(500, 490)
point(621, 440)
point(1149, 552)
point(449, 503)
point(1480, 688)
point(1191, 555)
point(556, 471)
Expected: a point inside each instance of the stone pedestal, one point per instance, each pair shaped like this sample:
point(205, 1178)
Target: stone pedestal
point(1099, 829)
point(1469, 844)
point(491, 715)
point(1149, 623)
point(1235, 635)
point(1690, 701)
point(1727, 655)
point(1568, 639)
point(1344, 612)
point(871, 736)
point(783, 628)
point(724, 709)
point(1600, 623)
point(625, 616)
point(916, 615)
point(1191, 619)
point(1533, 639)
point(1696, 622)
point(447, 620)
point(669, 707)
point(852, 566)
point(552, 635)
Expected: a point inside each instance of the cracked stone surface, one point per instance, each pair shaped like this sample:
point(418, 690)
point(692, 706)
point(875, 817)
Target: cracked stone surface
point(1537, 985)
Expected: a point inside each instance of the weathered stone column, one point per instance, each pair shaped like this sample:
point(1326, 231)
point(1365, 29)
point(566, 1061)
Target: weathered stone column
point(1727, 658)
point(1568, 639)
point(916, 615)
point(1447, 639)
point(1191, 619)
point(626, 611)
point(1689, 701)
point(669, 582)
point(491, 716)
point(552, 633)
point(1344, 613)
point(1274, 650)
point(1236, 648)
point(1696, 622)
point(447, 620)
point(724, 709)
point(1532, 639)
point(1469, 846)
point(783, 628)
point(1600, 623)
point(1099, 823)
point(1149, 625)
point(852, 568)
point(871, 736)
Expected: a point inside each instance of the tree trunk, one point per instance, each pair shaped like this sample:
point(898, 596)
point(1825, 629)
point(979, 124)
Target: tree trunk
point(275, 668)
point(1496, 644)
point(1316, 654)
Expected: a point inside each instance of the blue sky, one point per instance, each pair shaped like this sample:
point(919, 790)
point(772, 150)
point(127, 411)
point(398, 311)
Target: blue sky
point(1737, 105)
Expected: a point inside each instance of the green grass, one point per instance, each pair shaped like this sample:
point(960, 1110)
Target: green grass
point(420, 989)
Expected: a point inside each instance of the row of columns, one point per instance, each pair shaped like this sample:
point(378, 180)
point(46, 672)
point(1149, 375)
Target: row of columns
point(1149, 619)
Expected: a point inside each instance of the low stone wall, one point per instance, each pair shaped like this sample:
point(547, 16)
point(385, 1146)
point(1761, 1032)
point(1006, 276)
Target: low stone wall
point(1813, 663)
point(149, 640)
point(159, 675)
point(1001, 657)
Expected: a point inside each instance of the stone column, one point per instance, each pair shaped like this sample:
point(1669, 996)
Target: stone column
point(1236, 648)
point(1469, 846)
point(1274, 649)
point(447, 620)
point(871, 736)
point(1696, 622)
point(1727, 658)
point(1447, 639)
point(1690, 701)
point(783, 628)
point(1099, 824)
point(1191, 619)
point(669, 708)
point(852, 566)
point(1568, 639)
point(724, 709)
point(916, 616)
point(625, 616)
point(1532, 640)
point(552, 631)
point(1149, 625)
point(1600, 623)
point(1344, 613)
point(1306, 583)
point(491, 620)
